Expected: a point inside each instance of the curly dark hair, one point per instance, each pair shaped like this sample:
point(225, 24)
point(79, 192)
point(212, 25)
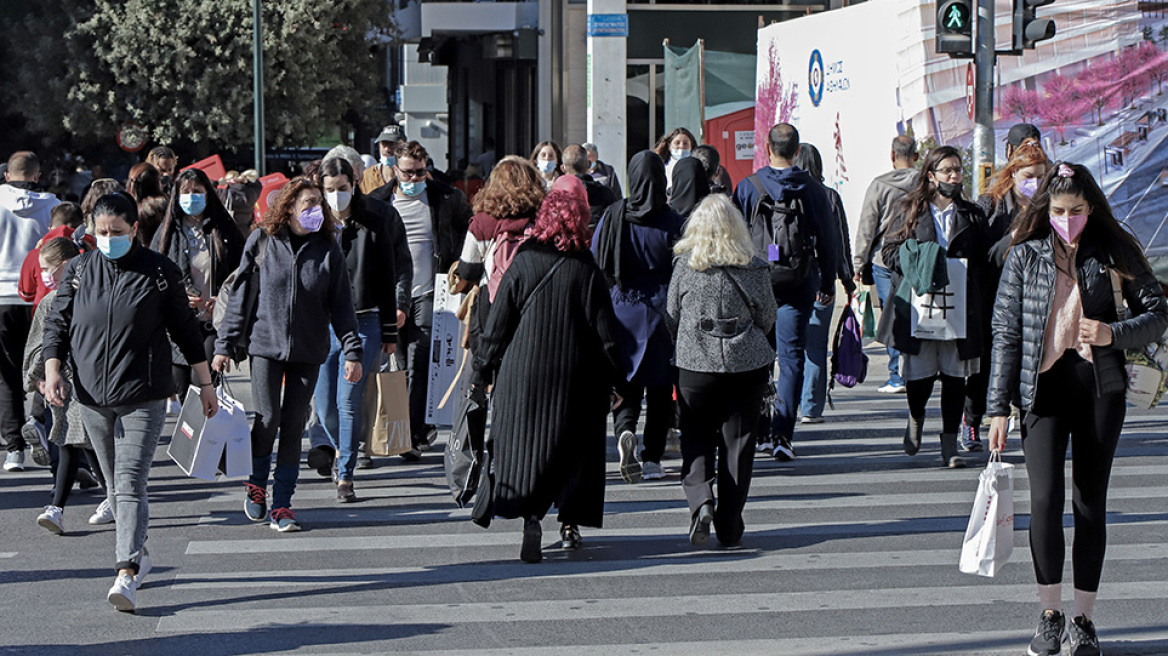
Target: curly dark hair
point(514, 190)
point(279, 214)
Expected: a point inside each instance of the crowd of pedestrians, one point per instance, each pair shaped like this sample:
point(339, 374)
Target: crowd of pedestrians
point(675, 300)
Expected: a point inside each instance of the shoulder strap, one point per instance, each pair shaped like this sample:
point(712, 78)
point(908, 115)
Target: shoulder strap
point(1117, 293)
point(543, 281)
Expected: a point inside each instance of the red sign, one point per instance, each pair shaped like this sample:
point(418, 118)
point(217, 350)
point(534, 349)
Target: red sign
point(131, 137)
point(212, 166)
point(970, 91)
point(272, 184)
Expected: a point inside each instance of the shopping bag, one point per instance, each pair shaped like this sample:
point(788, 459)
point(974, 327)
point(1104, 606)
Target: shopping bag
point(464, 450)
point(386, 414)
point(865, 312)
point(200, 444)
point(989, 538)
point(1147, 367)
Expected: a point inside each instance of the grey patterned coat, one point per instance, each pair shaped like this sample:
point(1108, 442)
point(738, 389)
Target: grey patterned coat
point(67, 428)
point(720, 318)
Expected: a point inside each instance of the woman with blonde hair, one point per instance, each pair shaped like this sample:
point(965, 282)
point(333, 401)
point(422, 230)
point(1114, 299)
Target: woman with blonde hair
point(720, 310)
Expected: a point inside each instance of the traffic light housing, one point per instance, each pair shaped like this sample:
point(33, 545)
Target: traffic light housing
point(1028, 29)
point(955, 27)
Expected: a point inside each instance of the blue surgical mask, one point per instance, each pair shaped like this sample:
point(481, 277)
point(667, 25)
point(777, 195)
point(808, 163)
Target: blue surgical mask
point(679, 153)
point(545, 165)
point(388, 160)
point(114, 247)
point(192, 204)
point(413, 188)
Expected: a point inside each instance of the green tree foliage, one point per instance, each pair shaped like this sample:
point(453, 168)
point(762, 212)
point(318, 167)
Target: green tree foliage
point(182, 69)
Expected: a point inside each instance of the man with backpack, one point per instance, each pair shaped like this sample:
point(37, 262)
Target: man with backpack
point(791, 225)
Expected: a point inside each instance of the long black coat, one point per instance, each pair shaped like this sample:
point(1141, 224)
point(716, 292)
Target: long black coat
point(554, 356)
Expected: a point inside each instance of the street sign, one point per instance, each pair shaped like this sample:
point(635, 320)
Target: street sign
point(970, 91)
point(608, 25)
point(131, 137)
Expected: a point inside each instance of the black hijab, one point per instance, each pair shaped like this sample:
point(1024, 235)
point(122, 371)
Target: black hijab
point(645, 200)
point(690, 186)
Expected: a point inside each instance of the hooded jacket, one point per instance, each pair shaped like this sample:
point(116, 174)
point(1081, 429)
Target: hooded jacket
point(24, 220)
point(876, 214)
point(785, 185)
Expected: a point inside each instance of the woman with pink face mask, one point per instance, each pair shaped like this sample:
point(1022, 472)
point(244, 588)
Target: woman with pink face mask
point(1058, 347)
point(1009, 195)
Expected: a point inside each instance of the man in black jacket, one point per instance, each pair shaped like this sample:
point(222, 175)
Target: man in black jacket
point(599, 196)
point(435, 216)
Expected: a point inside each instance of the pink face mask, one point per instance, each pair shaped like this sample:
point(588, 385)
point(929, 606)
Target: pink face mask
point(1069, 227)
point(48, 280)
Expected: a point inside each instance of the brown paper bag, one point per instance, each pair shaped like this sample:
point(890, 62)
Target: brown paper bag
point(386, 414)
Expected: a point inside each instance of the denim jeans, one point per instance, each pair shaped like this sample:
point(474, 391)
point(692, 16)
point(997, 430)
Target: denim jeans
point(883, 278)
point(338, 402)
point(413, 357)
point(125, 460)
point(815, 363)
point(790, 341)
point(286, 414)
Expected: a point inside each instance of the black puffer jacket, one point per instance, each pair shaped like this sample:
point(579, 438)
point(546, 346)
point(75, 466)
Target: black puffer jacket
point(967, 241)
point(1022, 312)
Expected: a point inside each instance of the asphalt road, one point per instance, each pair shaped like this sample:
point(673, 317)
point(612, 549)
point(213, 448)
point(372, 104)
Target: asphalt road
point(852, 550)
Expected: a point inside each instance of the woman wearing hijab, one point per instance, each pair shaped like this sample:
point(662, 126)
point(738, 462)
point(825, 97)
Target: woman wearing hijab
point(633, 245)
point(690, 186)
point(551, 348)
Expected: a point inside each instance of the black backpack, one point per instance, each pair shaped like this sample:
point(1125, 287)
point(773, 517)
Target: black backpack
point(783, 236)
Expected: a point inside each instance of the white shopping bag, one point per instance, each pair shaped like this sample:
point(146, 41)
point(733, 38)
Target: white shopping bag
point(941, 315)
point(201, 446)
point(989, 539)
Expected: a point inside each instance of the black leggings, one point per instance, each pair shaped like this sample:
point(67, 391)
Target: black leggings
point(952, 400)
point(1066, 410)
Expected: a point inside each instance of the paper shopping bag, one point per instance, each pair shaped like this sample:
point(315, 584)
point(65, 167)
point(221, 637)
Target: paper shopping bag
point(198, 443)
point(386, 412)
point(989, 538)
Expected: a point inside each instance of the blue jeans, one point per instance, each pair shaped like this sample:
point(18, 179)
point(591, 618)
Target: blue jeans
point(338, 402)
point(883, 278)
point(790, 340)
point(815, 363)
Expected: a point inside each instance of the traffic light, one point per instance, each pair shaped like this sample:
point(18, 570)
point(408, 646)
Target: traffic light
point(1028, 30)
point(955, 28)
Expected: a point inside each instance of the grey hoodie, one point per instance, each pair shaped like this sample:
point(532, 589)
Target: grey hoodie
point(24, 219)
point(876, 214)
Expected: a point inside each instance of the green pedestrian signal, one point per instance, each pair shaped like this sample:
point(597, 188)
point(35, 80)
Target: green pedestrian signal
point(955, 28)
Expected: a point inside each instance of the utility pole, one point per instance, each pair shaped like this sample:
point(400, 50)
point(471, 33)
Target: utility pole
point(258, 85)
point(983, 124)
point(608, 31)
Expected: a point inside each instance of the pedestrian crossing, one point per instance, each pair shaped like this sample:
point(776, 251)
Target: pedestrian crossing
point(852, 549)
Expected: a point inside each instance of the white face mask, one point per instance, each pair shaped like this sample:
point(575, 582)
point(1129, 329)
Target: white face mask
point(339, 200)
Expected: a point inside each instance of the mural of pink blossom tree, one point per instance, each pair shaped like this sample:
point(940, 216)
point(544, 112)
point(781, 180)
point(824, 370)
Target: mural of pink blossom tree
point(1096, 83)
point(1155, 62)
point(1060, 112)
point(775, 104)
point(1020, 103)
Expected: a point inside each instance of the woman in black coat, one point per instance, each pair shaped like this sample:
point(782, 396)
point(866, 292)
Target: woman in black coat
point(550, 347)
point(1058, 347)
point(199, 235)
point(934, 215)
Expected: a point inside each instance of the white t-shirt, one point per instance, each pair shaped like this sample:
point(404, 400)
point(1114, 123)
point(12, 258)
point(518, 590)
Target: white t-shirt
point(415, 214)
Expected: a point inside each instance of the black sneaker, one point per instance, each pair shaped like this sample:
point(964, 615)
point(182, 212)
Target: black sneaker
point(532, 549)
point(699, 526)
point(1081, 637)
point(321, 458)
point(255, 502)
point(570, 537)
point(35, 436)
point(971, 436)
point(1048, 636)
point(783, 452)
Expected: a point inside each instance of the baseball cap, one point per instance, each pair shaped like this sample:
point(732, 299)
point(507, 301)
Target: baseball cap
point(1020, 132)
point(392, 133)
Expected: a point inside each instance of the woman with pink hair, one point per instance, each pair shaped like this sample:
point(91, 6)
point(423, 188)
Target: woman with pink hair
point(550, 349)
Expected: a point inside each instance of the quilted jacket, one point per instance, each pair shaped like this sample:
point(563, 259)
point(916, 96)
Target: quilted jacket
point(1022, 311)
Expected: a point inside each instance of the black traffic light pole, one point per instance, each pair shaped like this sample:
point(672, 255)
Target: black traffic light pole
point(983, 107)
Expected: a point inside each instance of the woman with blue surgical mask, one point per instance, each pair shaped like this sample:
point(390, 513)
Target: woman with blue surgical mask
point(1009, 195)
point(200, 236)
point(114, 316)
point(548, 158)
point(295, 270)
point(673, 148)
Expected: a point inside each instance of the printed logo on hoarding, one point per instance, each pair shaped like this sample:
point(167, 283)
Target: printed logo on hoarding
point(815, 77)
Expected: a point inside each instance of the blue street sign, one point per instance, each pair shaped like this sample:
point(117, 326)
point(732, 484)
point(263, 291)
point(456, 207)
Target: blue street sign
point(608, 25)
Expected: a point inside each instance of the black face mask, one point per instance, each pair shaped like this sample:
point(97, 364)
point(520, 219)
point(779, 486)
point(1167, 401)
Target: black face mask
point(951, 190)
point(165, 181)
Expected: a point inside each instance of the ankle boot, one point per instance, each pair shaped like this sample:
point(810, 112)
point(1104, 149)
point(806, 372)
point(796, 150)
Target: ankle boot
point(912, 435)
point(949, 455)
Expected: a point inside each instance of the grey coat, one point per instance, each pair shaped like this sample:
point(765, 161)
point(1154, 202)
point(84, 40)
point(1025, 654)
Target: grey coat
point(877, 212)
point(720, 318)
point(67, 429)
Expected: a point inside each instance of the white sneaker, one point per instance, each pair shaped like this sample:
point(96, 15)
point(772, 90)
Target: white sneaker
point(808, 419)
point(173, 408)
point(50, 519)
point(37, 439)
point(673, 441)
point(630, 467)
point(121, 593)
point(14, 461)
point(765, 447)
point(652, 471)
point(891, 388)
point(104, 513)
